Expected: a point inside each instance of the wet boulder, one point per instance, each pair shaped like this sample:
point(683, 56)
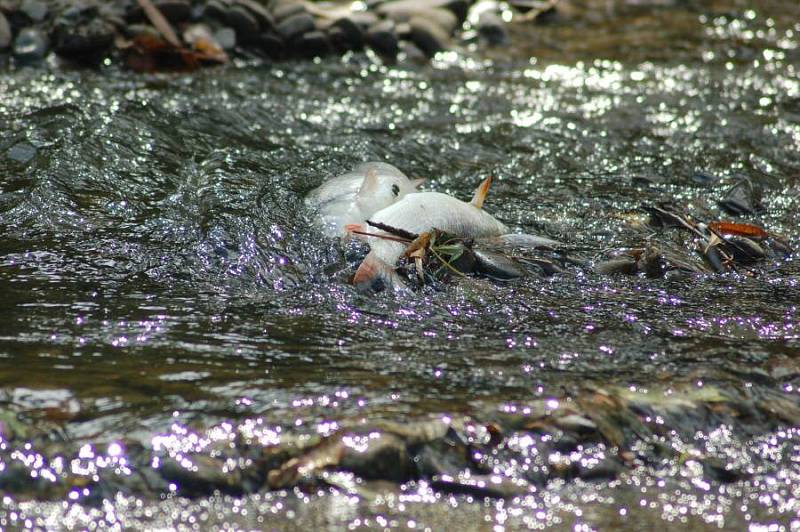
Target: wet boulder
point(428, 35)
point(31, 45)
point(492, 28)
point(243, 23)
point(35, 10)
point(383, 38)
point(345, 34)
point(295, 25)
point(87, 41)
point(265, 19)
point(312, 44)
point(215, 10)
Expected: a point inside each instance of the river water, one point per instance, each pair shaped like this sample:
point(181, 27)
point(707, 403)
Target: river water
point(166, 296)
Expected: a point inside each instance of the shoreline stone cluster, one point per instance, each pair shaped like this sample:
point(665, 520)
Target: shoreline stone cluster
point(195, 32)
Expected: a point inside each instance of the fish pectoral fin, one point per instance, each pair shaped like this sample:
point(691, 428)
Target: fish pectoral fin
point(418, 182)
point(373, 269)
point(481, 192)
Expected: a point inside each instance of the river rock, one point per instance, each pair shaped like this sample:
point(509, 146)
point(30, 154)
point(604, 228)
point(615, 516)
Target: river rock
point(296, 25)
point(348, 34)
point(36, 10)
point(271, 44)
point(215, 10)
point(5, 32)
point(226, 38)
point(86, 41)
point(30, 45)
point(175, 11)
point(492, 28)
point(261, 13)
point(428, 35)
point(312, 44)
point(243, 22)
point(382, 38)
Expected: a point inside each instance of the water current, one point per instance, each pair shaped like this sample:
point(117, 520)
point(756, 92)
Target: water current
point(166, 295)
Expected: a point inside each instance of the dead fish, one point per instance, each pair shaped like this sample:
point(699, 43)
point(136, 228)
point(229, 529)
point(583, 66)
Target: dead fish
point(415, 214)
point(353, 197)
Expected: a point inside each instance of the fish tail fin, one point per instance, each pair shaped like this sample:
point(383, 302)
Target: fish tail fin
point(373, 269)
point(481, 192)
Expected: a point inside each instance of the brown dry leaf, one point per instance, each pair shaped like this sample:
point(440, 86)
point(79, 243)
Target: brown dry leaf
point(740, 229)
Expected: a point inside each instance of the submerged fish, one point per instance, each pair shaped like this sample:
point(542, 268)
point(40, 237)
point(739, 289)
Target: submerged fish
point(415, 214)
point(353, 197)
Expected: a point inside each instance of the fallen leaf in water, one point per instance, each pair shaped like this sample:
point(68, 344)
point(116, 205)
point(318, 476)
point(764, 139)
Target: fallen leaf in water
point(741, 229)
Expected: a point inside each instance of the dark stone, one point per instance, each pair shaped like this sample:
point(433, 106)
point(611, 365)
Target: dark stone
point(704, 178)
point(312, 44)
point(382, 38)
point(215, 10)
point(135, 30)
point(175, 10)
point(30, 45)
point(246, 26)
point(36, 10)
point(742, 198)
point(385, 457)
point(5, 32)
point(296, 25)
point(271, 44)
point(87, 41)
point(617, 265)
point(349, 34)
point(492, 28)
point(261, 13)
point(22, 152)
point(286, 10)
point(428, 36)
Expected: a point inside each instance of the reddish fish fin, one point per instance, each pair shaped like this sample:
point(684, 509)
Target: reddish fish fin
point(481, 192)
point(372, 269)
point(418, 182)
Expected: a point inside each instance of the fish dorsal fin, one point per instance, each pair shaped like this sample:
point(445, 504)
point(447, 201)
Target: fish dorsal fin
point(369, 185)
point(481, 192)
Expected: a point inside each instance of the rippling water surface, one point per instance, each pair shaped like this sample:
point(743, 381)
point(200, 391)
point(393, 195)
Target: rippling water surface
point(163, 283)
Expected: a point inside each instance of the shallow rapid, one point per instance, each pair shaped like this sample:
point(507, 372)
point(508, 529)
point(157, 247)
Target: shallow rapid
point(177, 329)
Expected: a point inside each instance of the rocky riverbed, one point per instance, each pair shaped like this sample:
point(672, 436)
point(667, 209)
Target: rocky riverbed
point(180, 34)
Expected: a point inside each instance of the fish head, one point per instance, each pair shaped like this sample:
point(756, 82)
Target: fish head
point(378, 191)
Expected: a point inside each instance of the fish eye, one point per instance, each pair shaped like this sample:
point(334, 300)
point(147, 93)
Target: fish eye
point(395, 190)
